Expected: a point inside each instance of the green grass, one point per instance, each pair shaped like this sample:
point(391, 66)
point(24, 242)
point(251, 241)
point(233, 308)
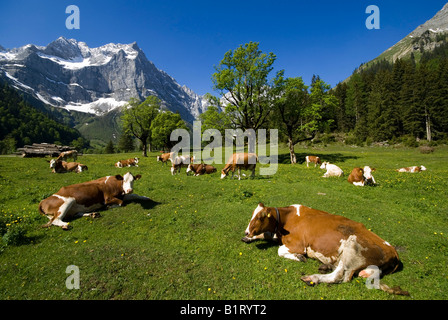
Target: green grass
point(185, 243)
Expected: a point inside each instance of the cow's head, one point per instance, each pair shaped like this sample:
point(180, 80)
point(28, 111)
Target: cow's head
point(324, 165)
point(136, 160)
point(368, 173)
point(128, 182)
point(52, 164)
point(262, 221)
point(190, 168)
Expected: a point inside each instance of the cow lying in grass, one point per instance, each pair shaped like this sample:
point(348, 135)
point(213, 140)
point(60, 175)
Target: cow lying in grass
point(345, 247)
point(84, 198)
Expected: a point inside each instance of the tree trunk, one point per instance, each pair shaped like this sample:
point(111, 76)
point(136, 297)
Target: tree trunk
point(291, 151)
point(428, 126)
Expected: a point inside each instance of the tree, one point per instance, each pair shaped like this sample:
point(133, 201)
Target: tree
point(162, 126)
point(126, 142)
point(137, 119)
point(212, 118)
point(109, 147)
point(290, 105)
point(242, 78)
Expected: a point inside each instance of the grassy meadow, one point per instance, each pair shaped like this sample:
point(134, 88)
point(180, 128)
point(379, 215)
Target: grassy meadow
point(185, 242)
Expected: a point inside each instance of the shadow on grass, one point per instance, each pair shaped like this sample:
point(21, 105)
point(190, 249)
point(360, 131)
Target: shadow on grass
point(285, 158)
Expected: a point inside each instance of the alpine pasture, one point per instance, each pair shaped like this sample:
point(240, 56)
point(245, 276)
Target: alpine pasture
point(185, 243)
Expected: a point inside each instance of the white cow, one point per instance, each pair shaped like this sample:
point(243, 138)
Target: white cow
point(332, 170)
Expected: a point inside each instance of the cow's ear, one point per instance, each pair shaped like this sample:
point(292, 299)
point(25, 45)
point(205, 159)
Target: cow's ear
point(118, 177)
point(137, 176)
point(261, 205)
point(373, 169)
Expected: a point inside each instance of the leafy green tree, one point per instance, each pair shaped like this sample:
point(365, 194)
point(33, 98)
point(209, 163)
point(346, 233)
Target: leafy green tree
point(212, 118)
point(290, 105)
point(242, 78)
point(137, 119)
point(162, 126)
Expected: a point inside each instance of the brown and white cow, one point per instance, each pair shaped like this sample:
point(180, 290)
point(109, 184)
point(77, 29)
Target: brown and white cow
point(60, 166)
point(76, 200)
point(362, 176)
point(165, 157)
point(133, 162)
point(200, 169)
point(312, 159)
point(180, 162)
point(344, 246)
point(68, 154)
point(240, 161)
point(412, 169)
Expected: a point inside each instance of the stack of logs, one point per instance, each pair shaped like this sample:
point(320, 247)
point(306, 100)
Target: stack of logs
point(42, 150)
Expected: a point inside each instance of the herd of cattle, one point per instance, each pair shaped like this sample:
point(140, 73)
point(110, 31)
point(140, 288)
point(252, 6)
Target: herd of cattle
point(345, 248)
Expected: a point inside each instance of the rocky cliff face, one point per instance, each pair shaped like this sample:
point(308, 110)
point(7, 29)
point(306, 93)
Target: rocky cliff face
point(68, 74)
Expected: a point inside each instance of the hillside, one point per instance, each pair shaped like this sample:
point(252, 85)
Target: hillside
point(21, 123)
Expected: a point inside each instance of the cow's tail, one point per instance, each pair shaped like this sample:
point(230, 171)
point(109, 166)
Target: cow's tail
point(395, 290)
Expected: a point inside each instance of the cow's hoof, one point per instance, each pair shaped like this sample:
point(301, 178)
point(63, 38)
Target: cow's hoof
point(246, 240)
point(308, 281)
point(65, 228)
point(300, 257)
point(95, 215)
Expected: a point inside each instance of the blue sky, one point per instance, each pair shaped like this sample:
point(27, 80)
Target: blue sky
point(187, 38)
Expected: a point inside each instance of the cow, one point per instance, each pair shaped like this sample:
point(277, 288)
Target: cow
point(127, 163)
point(244, 161)
point(362, 176)
point(60, 166)
point(68, 154)
point(180, 162)
point(82, 199)
point(200, 169)
point(412, 169)
point(313, 159)
point(165, 157)
point(345, 247)
point(332, 170)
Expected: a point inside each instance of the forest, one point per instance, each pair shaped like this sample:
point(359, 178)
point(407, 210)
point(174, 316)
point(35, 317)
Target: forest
point(401, 101)
point(21, 124)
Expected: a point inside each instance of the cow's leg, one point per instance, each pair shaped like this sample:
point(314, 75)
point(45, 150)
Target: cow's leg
point(350, 260)
point(359, 184)
point(62, 213)
point(284, 252)
point(239, 174)
point(264, 236)
point(112, 201)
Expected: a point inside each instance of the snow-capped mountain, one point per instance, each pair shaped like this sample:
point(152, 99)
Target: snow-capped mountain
point(68, 74)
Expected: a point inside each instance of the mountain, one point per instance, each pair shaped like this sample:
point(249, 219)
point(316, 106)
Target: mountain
point(68, 74)
point(426, 37)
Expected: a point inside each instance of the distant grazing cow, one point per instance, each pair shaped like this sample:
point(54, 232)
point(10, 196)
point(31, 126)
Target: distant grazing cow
point(412, 169)
point(75, 200)
point(332, 170)
point(60, 166)
point(180, 162)
point(127, 163)
point(345, 247)
point(312, 159)
point(200, 169)
point(245, 161)
point(68, 154)
point(165, 157)
point(360, 177)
